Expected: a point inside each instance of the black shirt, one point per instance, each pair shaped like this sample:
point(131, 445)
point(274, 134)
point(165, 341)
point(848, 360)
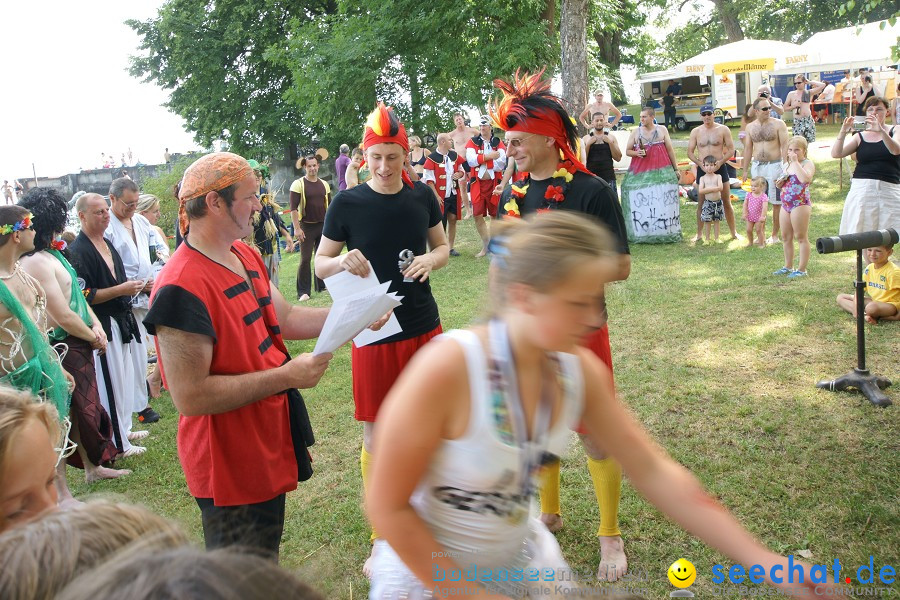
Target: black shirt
point(381, 226)
point(874, 161)
point(600, 162)
point(586, 194)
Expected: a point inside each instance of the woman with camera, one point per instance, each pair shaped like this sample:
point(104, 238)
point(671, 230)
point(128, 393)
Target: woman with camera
point(865, 91)
point(873, 201)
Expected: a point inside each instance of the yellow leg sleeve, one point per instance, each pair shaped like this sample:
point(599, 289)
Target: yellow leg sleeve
point(365, 461)
point(607, 477)
point(549, 488)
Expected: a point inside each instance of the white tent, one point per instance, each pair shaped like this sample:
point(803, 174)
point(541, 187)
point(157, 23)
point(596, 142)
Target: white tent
point(868, 45)
point(756, 55)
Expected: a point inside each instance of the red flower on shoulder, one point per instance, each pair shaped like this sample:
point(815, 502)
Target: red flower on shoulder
point(554, 193)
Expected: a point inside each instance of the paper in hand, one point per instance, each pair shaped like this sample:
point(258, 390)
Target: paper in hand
point(358, 302)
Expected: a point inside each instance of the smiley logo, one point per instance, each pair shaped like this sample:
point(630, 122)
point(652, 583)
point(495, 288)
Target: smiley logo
point(682, 573)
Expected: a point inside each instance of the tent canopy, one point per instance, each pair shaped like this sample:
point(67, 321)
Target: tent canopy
point(848, 48)
point(758, 55)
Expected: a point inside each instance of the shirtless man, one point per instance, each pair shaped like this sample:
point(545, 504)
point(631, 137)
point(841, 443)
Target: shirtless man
point(461, 134)
point(601, 106)
point(766, 143)
point(799, 100)
point(77, 327)
point(712, 139)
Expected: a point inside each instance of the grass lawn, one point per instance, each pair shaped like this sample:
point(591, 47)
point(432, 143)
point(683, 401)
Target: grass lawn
point(715, 356)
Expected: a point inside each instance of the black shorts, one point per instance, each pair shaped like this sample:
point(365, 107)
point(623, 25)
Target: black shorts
point(722, 172)
point(450, 205)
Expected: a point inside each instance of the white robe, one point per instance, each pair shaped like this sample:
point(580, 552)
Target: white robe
point(136, 259)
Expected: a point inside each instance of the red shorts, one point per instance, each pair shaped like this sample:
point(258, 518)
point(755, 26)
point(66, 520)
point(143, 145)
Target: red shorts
point(375, 369)
point(484, 202)
point(598, 343)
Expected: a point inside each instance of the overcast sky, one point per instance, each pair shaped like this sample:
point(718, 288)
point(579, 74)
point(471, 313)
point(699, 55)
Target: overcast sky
point(66, 95)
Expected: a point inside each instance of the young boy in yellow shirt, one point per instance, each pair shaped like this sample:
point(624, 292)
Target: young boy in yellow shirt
point(882, 279)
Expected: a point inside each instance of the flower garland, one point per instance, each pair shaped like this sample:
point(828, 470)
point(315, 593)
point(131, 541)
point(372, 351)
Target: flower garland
point(58, 245)
point(25, 223)
point(553, 197)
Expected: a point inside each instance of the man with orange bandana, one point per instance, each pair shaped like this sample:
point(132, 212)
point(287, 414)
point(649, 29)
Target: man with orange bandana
point(220, 328)
point(382, 221)
point(542, 139)
point(486, 155)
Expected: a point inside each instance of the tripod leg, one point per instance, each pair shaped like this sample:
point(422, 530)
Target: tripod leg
point(874, 394)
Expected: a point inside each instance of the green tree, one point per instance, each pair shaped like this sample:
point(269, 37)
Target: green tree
point(262, 74)
point(426, 64)
point(213, 58)
point(785, 20)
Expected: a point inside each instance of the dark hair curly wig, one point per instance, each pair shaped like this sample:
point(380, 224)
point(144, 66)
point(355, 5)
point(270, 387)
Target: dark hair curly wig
point(49, 209)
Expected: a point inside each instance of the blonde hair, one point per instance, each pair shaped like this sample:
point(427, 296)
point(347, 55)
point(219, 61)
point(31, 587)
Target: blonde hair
point(147, 202)
point(17, 409)
point(800, 142)
point(417, 139)
point(761, 182)
point(187, 572)
point(544, 251)
point(41, 557)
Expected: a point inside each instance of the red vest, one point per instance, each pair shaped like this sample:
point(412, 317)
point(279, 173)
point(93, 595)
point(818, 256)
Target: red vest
point(246, 455)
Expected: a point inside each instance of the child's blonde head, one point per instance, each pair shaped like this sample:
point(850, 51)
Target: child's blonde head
point(799, 142)
point(41, 557)
point(545, 251)
point(759, 184)
point(187, 572)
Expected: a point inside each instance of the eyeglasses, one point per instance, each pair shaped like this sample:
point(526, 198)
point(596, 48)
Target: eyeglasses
point(798, 83)
point(516, 142)
point(765, 108)
point(705, 114)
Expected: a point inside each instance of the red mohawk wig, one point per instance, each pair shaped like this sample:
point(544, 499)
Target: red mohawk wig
point(529, 106)
point(383, 127)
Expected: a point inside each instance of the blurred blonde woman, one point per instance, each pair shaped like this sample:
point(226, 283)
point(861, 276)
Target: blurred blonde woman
point(29, 436)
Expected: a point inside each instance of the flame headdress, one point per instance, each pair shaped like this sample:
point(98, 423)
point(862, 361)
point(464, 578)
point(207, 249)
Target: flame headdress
point(383, 127)
point(529, 106)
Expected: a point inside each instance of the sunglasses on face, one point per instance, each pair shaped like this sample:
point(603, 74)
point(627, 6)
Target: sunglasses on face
point(798, 83)
point(765, 108)
point(705, 114)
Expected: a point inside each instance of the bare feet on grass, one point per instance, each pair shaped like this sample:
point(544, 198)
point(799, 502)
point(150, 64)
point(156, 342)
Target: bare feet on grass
point(613, 562)
point(99, 473)
point(553, 522)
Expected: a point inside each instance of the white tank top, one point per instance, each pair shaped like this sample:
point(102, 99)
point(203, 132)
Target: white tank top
point(470, 496)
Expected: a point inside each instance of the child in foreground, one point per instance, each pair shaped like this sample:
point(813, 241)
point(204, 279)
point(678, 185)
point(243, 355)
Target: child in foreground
point(882, 279)
point(710, 191)
point(466, 426)
point(755, 206)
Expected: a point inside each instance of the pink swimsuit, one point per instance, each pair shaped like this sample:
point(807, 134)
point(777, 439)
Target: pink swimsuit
point(754, 207)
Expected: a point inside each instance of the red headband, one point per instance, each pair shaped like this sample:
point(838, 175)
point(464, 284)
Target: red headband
point(377, 131)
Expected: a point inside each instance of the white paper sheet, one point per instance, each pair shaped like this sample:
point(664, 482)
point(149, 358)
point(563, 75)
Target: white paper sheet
point(358, 301)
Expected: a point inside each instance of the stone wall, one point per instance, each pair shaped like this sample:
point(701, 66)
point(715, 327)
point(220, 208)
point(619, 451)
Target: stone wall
point(95, 180)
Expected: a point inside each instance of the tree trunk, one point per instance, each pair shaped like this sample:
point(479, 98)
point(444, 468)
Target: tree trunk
point(549, 18)
point(728, 12)
point(573, 42)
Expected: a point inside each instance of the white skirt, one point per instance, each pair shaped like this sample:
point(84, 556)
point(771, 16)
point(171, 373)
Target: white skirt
point(871, 204)
point(392, 580)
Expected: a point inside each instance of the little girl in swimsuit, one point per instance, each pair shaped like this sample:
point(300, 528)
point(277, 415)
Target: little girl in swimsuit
point(796, 207)
point(755, 206)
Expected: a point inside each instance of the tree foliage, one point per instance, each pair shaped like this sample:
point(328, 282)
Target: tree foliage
point(785, 20)
point(266, 73)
